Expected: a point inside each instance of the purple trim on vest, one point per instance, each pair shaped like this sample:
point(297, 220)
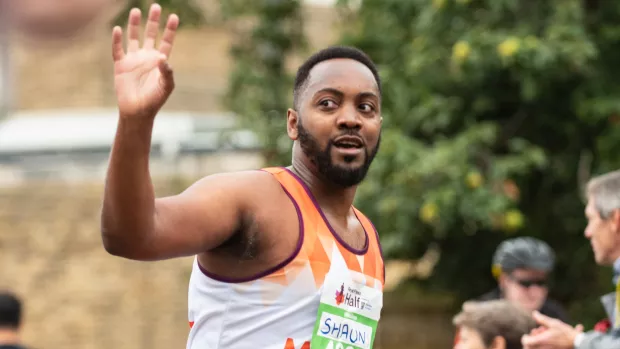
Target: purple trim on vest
point(318, 208)
point(300, 243)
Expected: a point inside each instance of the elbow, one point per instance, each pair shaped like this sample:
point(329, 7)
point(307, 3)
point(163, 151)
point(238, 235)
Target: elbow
point(119, 247)
point(113, 238)
point(123, 240)
point(114, 246)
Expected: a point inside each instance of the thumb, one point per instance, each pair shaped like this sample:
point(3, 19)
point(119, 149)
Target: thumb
point(543, 319)
point(167, 76)
point(164, 66)
point(536, 339)
point(579, 328)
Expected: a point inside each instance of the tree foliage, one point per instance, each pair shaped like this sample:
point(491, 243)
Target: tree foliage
point(494, 111)
point(260, 85)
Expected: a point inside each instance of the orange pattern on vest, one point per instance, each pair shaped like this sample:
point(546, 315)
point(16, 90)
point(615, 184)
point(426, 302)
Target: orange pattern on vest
point(319, 240)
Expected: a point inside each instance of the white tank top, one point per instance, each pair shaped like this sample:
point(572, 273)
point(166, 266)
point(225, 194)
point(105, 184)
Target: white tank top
point(278, 308)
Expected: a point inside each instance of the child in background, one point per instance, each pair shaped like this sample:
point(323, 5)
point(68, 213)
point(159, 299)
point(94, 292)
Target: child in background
point(496, 324)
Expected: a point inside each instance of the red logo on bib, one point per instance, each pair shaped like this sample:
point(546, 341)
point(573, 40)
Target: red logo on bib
point(340, 295)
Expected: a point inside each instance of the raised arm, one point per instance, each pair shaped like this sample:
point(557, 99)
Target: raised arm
point(133, 223)
point(137, 226)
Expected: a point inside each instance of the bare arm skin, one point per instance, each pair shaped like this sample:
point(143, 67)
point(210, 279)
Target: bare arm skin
point(137, 226)
point(134, 224)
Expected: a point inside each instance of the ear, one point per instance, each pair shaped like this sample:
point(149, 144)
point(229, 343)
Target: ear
point(499, 342)
point(291, 124)
point(501, 280)
point(615, 221)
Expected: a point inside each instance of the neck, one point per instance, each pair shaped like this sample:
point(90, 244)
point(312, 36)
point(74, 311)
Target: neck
point(330, 197)
point(9, 336)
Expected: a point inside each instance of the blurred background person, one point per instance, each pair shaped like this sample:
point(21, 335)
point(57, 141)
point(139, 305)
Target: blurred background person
point(10, 321)
point(603, 231)
point(522, 266)
point(497, 324)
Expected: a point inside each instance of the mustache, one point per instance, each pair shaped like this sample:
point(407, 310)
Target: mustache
point(348, 132)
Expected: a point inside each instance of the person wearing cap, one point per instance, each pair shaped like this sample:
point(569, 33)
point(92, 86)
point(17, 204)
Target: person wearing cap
point(522, 266)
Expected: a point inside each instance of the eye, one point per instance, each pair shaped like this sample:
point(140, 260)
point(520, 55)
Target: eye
point(366, 107)
point(327, 103)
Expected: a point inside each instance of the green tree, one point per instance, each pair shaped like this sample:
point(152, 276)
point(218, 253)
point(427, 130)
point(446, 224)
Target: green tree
point(493, 110)
point(260, 85)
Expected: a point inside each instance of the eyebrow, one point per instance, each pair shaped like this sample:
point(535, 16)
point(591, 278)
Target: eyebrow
point(341, 94)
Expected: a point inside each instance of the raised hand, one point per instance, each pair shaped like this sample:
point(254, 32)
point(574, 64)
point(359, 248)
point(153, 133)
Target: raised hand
point(142, 77)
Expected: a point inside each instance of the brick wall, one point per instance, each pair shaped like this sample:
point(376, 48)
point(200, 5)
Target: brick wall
point(78, 72)
point(78, 296)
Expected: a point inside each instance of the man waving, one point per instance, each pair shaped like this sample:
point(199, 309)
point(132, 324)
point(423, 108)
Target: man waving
point(283, 259)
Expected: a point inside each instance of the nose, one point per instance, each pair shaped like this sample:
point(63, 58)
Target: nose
point(587, 233)
point(349, 118)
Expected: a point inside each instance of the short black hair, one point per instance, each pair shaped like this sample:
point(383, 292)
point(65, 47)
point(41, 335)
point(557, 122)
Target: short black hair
point(10, 310)
point(332, 52)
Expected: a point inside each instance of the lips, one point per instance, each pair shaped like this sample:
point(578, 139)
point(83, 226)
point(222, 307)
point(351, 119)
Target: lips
point(349, 142)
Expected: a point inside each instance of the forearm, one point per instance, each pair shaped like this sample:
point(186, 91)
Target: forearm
point(127, 217)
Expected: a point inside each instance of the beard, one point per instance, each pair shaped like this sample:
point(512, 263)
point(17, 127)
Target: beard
point(322, 158)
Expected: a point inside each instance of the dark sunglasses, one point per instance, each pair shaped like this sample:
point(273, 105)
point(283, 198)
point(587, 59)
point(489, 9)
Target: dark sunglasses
point(529, 283)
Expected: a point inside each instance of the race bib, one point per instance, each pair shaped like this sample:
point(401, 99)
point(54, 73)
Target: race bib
point(348, 315)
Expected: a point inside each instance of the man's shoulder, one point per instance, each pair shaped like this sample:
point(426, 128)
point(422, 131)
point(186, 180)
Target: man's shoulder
point(249, 174)
point(554, 309)
point(255, 180)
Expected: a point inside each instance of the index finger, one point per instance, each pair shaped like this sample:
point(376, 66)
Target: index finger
point(167, 39)
point(544, 320)
point(117, 44)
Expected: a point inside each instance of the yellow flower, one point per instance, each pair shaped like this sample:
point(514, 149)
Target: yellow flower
point(429, 212)
point(513, 220)
point(439, 3)
point(508, 47)
point(460, 51)
point(473, 180)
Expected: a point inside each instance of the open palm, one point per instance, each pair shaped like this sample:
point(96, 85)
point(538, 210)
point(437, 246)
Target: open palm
point(142, 77)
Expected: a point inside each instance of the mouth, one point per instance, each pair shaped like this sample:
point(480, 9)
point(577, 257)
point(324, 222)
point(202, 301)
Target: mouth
point(350, 147)
point(348, 142)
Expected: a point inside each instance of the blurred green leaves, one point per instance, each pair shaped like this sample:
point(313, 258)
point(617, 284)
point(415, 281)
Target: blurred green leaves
point(260, 87)
point(488, 107)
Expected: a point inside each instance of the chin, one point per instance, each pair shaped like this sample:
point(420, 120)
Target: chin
point(349, 167)
point(602, 259)
point(350, 162)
